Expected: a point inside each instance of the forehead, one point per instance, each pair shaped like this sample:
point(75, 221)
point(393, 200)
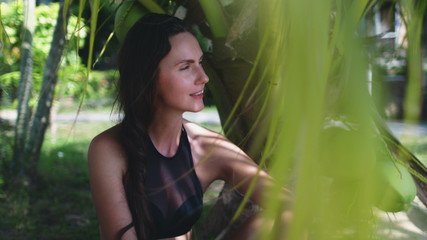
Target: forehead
point(184, 46)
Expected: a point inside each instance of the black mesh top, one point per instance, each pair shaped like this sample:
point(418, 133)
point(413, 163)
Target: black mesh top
point(174, 190)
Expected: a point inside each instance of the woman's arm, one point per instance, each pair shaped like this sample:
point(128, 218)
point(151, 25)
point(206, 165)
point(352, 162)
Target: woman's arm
point(218, 158)
point(239, 170)
point(107, 165)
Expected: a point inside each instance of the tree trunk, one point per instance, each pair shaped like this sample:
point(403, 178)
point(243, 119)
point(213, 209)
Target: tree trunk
point(50, 78)
point(415, 83)
point(230, 70)
point(24, 91)
point(234, 74)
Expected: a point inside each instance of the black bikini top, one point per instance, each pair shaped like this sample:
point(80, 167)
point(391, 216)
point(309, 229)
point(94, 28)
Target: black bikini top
point(174, 190)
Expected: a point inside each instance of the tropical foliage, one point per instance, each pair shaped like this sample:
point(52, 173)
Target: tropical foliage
point(71, 69)
point(72, 72)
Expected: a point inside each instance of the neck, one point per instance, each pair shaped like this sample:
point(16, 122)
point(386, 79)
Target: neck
point(165, 132)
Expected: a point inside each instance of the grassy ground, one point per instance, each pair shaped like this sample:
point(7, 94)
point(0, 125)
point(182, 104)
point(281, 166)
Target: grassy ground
point(61, 206)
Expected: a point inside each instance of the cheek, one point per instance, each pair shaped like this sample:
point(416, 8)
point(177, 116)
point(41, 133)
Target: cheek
point(163, 83)
point(170, 87)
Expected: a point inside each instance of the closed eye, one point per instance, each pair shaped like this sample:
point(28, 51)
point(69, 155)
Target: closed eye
point(185, 67)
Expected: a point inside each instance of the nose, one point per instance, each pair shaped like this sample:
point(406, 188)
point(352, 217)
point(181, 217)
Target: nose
point(203, 77)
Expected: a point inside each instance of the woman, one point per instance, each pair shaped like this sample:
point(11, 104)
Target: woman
point(149, 172)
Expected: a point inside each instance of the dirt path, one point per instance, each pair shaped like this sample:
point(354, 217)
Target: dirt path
point(205, 116)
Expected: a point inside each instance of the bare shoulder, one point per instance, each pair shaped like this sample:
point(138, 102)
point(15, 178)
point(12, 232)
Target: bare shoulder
point(206, 138)
point(109, 136)
point(107, 166)
point(215, 154)
point(196, 131)
point(106, 149)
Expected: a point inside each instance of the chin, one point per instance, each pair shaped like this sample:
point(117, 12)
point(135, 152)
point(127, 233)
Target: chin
point(197, 108)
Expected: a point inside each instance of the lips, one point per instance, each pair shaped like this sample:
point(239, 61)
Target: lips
point(199, 93)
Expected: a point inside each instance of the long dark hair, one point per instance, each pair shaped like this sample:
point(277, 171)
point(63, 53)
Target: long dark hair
point(145, 45)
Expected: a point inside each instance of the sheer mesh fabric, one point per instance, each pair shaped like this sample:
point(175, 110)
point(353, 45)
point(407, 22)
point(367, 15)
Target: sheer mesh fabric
point(174, 190)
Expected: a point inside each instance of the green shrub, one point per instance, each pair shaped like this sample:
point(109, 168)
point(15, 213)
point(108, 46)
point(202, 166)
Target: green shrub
point(72, 75)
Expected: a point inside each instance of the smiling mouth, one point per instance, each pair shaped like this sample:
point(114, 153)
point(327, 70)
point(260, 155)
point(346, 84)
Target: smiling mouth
point(198, 93)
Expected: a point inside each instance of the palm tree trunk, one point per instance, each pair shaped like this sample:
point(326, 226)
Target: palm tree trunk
point(228, 80)
point(50, 78)
point(237, 93)
point(413, 97)
point(25, 87)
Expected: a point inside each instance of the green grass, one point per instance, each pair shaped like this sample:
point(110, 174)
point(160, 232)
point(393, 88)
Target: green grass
point(61, 206)
point(66, 193)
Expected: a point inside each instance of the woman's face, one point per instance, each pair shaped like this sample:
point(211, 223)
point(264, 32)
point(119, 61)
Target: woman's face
point(181, 79)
